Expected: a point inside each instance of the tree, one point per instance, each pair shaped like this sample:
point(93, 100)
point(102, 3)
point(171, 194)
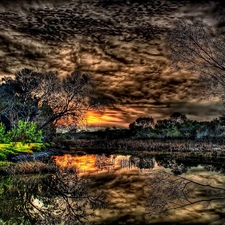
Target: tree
point(142, 122)
point(142, 127)
point(3, 137)
point(178, 117)
point(189, 128)
point(46, 98)
point(21, 96)
point(199, 48)
point(163, 124)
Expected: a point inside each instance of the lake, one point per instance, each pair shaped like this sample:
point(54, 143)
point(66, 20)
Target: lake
point(118, 189)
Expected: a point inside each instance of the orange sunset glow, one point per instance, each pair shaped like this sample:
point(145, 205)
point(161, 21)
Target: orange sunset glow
point(93, 118)
point(89, 163)
point(107, 118)
point(81, 163)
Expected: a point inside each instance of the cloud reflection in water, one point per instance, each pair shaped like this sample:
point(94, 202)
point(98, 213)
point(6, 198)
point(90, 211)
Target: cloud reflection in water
point(128, 190)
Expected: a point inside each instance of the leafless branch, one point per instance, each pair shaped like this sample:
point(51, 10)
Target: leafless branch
point(174, 192)
point(196, 47)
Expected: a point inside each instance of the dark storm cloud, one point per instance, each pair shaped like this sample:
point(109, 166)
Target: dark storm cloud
point(194, 110)
point(119, 42)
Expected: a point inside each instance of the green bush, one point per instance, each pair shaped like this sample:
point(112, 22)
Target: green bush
point(37, 146)
point(2, 156)
point(25, 132)
point(174, 133)
point(3, 137)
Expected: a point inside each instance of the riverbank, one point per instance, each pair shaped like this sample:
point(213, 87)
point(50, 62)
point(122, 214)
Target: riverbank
point(185, 151)
point(177, 162)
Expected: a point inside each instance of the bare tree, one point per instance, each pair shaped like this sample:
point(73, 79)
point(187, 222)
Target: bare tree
point(200, 49)
point(46, 98)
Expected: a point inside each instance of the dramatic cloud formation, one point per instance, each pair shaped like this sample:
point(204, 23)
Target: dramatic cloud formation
point(120, 42)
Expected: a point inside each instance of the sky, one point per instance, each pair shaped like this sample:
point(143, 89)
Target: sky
point(121, 43)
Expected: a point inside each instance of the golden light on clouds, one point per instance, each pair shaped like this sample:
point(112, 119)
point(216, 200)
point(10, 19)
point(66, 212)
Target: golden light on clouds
point(92, 118)
point(107, 118)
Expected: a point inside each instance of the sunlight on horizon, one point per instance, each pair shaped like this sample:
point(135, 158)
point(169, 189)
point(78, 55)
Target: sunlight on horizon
point(105, 119)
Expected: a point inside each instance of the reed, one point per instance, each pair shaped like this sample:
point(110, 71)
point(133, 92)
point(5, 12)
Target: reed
point(30, 167)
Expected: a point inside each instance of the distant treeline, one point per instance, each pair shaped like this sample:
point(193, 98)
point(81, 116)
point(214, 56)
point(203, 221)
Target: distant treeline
point(178, 126)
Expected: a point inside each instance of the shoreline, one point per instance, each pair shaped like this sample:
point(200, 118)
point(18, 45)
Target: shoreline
point(174, 148)
point(84, 146)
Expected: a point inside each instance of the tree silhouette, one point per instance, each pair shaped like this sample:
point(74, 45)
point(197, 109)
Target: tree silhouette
point(46, 98)
point(178, 117)
point(142, 122)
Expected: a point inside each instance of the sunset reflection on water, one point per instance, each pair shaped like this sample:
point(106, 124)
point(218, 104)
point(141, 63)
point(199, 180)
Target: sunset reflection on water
point(91, 163)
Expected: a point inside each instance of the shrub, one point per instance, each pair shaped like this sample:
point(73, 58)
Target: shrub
point(2, 156)
point(3, 136)
point(25, 132)
point(174, 133)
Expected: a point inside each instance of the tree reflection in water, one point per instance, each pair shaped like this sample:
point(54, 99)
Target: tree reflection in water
point(61, 198)
point(175, 192)
point(177, 168)
point(181, 164)
point(64, 197)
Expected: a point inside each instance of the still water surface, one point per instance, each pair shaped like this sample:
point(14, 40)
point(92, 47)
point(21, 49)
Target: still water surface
point(136, 190)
